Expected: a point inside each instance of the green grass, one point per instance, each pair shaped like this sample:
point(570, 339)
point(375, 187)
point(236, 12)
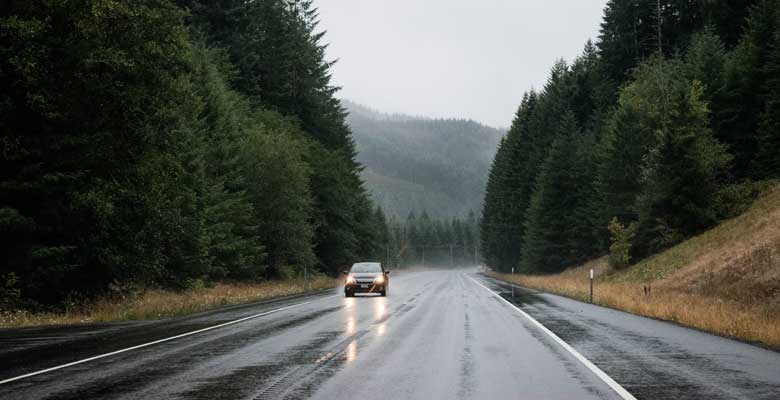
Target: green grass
point(763, 215)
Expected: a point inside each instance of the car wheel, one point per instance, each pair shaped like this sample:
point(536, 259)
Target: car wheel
point(348, 293)
point(383, 293)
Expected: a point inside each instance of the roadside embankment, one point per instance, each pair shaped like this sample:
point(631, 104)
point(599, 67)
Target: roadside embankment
point(155, 304)
point(725, 281)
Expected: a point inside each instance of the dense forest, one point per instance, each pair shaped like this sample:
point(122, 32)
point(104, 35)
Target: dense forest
point(421, 164)
point(669, 123)
point(162, 143)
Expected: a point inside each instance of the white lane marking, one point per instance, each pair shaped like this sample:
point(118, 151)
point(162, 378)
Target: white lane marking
point(596, 370)
point(70, 364)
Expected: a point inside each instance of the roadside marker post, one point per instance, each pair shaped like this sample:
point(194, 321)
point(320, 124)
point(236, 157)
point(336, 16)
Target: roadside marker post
point(591, 286)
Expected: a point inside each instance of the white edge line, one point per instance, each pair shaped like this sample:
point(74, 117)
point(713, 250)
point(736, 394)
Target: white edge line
point(70, 364)
point(622, 392)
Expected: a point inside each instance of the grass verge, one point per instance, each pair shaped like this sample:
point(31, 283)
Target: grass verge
point(725, 281)
point(155, 304)
point(727, 318)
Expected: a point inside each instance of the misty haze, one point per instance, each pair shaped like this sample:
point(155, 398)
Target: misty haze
point(439, 199)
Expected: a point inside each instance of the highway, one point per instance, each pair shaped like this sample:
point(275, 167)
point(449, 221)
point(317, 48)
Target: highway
point(437, 335)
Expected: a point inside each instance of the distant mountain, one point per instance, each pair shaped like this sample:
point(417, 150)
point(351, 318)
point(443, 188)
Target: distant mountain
point(418, 163)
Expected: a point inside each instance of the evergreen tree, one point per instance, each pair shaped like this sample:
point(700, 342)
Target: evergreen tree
point(630, 29)
point(639, 143)
point(682, 170)
point(586, 237)
point(472, 239)
point(620, 152)
point(744, 97)
point(233, 246)
point(278, 185)
point(382, 241)
point(93, 191)
point(493, 218)
point(548, 230)
point(281, 66)
point(767, 161)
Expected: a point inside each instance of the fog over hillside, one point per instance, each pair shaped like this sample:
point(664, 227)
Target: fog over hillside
point(415, 163)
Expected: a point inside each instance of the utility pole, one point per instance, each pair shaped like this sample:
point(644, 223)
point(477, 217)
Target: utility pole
point(452, 258)
point(423, 256)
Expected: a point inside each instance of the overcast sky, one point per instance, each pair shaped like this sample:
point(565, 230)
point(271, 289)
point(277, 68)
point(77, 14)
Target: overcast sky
point(452, 58)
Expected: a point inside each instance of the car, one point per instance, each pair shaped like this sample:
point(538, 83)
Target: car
point(366, 277)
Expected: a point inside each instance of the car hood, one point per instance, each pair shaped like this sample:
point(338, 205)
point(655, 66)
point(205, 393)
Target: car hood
point(366, 275)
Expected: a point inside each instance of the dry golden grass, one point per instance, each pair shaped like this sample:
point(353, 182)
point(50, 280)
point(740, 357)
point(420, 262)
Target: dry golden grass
point(161, 304)
point(726, 280)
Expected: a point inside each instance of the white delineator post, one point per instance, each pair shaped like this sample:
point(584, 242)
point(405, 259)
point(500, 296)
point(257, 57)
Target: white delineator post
point(591, 286)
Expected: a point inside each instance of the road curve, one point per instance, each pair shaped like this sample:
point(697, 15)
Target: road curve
point(438, 335)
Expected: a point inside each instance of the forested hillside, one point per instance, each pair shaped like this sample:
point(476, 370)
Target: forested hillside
point(162, 143)
point(663, 127)
point(420, 164)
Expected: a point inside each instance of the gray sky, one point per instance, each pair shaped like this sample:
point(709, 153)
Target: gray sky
point(452, 58)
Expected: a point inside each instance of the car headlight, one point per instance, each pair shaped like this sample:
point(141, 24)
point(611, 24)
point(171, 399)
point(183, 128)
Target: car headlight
point(350, 280)
point(379, 280)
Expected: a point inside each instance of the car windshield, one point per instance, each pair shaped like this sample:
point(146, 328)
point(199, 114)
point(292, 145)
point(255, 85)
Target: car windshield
point(367, 267)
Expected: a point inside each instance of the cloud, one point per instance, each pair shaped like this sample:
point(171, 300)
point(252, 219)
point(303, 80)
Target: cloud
point(452, 58)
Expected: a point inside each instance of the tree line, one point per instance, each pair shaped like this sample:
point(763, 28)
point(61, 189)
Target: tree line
point(162, 143)
point(665, 126)
point(423, 241)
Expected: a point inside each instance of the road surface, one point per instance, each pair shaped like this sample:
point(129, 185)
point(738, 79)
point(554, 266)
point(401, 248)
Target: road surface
point(438, 335)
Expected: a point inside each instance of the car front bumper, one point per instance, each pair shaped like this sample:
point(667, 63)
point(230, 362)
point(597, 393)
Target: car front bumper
point(364, 288)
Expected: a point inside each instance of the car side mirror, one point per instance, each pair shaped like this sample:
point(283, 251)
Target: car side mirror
point(387, 272)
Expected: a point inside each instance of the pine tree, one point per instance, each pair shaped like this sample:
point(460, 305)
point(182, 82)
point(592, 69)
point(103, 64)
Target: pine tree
point(626, 37)
point(619, 161)
point(233, 246)
point(739, 113)
point(767, 161)
point(493, 222)
point(91, 197)
point(278, 186)
point(682, 170)
point(549, 217)
point(281, 66)
point(585, 236)
point(382, 242)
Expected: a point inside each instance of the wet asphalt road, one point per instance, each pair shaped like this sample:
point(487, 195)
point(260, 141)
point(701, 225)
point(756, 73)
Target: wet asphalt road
point(438, 335)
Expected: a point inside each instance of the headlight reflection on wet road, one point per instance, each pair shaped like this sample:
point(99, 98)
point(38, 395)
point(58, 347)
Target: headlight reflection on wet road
point(380, 307)
point(380, 311)
point(351, 351)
